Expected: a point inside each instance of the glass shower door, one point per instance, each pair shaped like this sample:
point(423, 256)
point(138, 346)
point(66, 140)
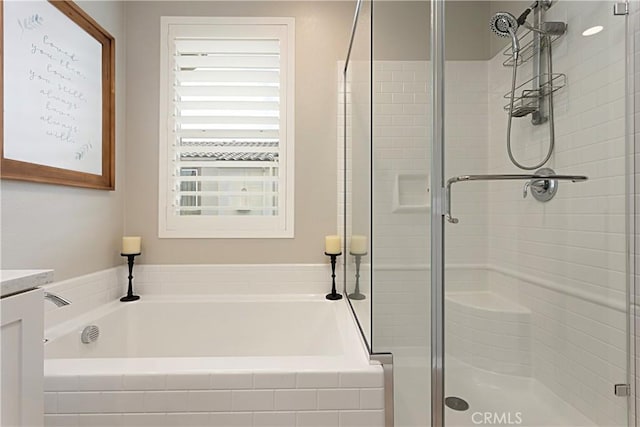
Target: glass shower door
point(400, 94)
point(534, 291)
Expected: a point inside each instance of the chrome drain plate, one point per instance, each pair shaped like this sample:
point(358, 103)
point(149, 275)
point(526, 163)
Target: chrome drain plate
point(456, 403)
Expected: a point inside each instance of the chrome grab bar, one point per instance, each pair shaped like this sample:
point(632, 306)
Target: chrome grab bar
point(505, 177)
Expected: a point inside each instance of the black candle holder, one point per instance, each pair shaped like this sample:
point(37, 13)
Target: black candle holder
point(333, 296)
point(130, 296)
point(356, 295)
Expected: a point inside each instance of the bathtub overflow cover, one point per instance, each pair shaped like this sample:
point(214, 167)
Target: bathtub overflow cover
point(90, 334)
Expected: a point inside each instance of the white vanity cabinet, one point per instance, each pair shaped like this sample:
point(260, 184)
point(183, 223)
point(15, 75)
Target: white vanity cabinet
point(21, 354)
point(22, 359)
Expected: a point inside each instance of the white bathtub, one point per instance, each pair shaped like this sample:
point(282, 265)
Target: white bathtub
point(184, 358)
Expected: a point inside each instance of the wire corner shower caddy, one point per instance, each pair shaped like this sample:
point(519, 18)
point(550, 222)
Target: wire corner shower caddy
point(530, 94)
point(543, 85)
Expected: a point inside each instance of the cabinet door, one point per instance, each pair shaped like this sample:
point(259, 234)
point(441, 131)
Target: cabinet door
point(22, 359)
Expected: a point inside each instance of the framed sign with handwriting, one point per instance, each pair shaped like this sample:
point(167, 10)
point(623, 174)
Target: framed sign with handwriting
point(57, 87)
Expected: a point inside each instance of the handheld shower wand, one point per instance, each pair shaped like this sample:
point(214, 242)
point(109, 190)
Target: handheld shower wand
point(505, 24)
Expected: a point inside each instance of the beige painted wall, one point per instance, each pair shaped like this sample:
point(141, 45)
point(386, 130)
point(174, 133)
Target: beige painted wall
point(401, 30)
point(77, 231)
point(74, 231)
point(322, 30)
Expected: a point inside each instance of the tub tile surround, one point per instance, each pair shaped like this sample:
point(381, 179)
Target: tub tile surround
point(85, 293)
point(356, 397)
point(234, 279)
point(93, 290)
point(269, 397)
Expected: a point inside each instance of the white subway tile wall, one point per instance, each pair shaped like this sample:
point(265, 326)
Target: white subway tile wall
point(271, 398)
point(576, 242)
point(402, 149)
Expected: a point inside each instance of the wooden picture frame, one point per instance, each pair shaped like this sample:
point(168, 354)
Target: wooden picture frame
point(102, 154)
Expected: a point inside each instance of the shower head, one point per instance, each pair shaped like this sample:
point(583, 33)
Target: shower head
point(501, 22)
point(505, 24)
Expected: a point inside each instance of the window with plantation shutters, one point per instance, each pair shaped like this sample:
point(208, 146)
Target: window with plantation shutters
point(226, 127)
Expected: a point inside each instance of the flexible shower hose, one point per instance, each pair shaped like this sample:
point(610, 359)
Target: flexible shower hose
point(552, 132)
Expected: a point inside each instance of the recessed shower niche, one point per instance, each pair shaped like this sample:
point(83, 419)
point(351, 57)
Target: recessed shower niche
point(411, 193)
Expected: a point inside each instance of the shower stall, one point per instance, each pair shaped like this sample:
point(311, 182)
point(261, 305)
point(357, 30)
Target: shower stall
point(488, 157)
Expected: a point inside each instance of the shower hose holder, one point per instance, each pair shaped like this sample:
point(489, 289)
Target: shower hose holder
point(356, 295)
point(130, 296)
point(333, 296)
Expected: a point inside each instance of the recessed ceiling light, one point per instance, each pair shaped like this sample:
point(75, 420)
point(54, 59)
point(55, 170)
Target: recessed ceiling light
point(593, 30)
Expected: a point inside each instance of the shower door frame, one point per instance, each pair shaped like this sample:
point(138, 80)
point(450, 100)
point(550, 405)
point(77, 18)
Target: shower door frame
point(632, 203)
point(439, 202)
point(384, 359)
point(437, 212)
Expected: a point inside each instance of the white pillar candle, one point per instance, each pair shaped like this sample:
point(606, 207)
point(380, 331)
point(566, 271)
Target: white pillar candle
point(358, 245)
point(131, 245)
point(332, 245)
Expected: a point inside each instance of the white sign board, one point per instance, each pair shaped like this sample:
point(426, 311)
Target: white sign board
point(52, 89)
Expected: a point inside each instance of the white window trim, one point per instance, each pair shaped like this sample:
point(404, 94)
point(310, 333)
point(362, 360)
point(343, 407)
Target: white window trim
point(228, 227)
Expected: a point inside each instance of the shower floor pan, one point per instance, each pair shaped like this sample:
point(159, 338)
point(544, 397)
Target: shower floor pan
point(509, 400)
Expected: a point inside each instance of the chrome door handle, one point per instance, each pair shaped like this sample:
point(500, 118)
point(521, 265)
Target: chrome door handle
point(533, 180)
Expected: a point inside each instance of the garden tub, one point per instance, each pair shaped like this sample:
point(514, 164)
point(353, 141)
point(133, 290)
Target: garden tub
point(212, 360)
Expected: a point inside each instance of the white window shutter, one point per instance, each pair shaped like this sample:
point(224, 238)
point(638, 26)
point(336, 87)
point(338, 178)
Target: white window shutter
point(228, 170)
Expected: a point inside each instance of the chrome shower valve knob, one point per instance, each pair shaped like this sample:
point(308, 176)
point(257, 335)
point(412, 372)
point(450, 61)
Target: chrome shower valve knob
point(537, 186)
point(542, 190)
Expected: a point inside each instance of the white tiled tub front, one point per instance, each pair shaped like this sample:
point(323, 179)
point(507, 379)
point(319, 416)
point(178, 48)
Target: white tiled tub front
point(213, 361)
